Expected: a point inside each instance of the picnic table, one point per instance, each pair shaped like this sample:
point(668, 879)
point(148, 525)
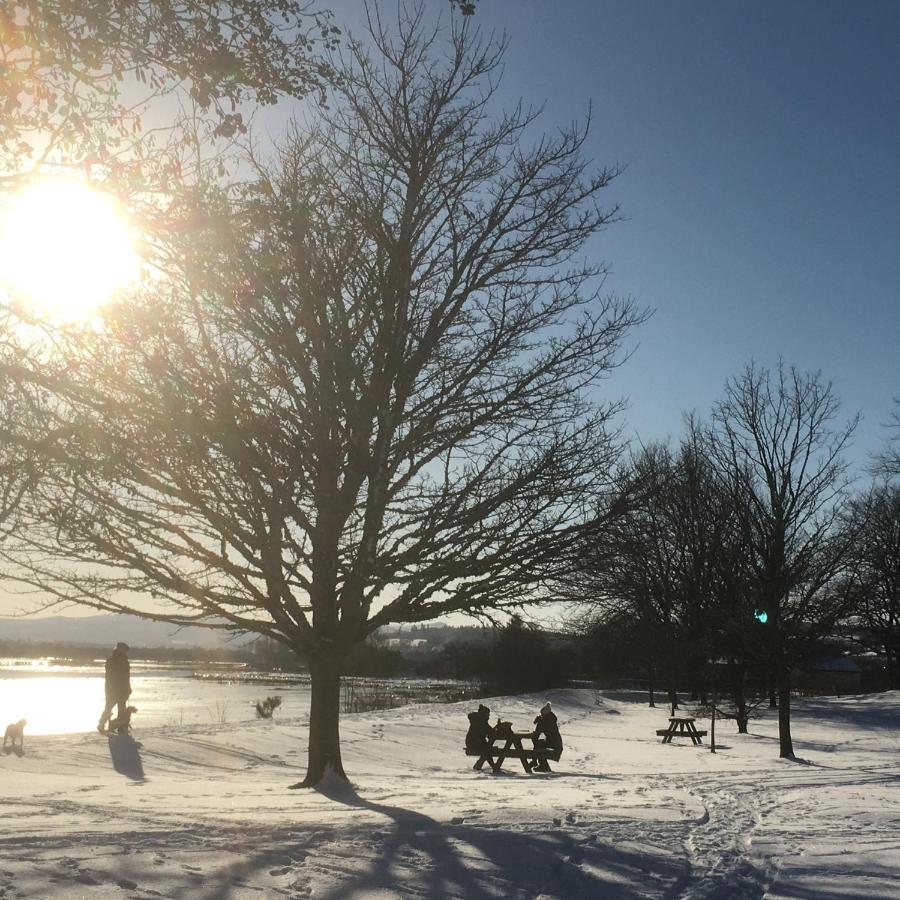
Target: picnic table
point(681, 726)
point(507, 744)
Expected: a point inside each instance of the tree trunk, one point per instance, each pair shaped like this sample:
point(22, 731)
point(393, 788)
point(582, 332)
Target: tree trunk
point(773, 692)
point(786, 745)
point(650, 685)
point(738, 674)
point(324, 721)
point(891, 667)
point(673, 698)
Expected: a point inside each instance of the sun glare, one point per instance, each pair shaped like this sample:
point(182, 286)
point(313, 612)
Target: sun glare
point(66, 248)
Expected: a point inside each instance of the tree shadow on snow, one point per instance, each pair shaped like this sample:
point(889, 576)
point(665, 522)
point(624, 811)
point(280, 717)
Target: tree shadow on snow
point(437, 859)
point(866, 711)
point(126, 758)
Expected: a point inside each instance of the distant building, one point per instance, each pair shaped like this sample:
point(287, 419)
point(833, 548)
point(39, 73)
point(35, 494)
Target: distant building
point(834, 675)
point(404, 643)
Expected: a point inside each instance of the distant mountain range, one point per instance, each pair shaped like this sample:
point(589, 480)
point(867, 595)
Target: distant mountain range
point(106, 630)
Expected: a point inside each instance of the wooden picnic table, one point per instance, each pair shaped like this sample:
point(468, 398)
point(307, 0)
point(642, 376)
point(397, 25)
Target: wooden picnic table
point(507, 744)
point(681, 726)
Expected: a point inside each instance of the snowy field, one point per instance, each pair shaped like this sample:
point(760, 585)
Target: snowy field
point(203, 811)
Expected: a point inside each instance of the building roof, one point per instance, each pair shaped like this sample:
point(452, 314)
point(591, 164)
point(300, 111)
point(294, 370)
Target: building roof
point(836, 664)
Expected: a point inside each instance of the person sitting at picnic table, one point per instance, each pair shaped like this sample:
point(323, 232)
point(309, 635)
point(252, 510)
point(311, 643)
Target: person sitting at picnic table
point(545, 724)
point(480, 733)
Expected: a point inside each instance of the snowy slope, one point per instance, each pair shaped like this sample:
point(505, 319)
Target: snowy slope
point(203, 812)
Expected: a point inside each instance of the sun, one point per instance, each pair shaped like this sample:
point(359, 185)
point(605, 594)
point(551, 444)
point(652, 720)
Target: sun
point(66, 248)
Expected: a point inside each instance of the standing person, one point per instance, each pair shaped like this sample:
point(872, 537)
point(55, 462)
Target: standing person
point(545, 724)
point(118, 684)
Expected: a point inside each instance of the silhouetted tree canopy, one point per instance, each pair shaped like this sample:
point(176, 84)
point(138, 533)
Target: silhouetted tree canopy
point(888, 460)
point(366, 391)
point(877, 557)
point(102, 81)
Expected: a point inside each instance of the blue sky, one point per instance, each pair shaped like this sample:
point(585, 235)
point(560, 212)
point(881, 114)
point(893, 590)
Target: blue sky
point(761, 195)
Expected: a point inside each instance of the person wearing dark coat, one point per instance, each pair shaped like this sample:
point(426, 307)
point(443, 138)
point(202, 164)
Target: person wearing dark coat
point(479, 735)
point(545, 723)
point(118, 684)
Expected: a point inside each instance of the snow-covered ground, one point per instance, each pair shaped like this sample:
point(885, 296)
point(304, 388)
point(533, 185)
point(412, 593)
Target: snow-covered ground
point(203, 811)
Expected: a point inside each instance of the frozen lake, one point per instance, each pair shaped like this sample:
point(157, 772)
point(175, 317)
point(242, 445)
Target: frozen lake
point(68, 699)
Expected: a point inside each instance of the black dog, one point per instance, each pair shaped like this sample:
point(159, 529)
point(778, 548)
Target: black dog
point(122, 724)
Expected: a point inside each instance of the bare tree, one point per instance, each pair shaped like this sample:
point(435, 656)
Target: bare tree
point(623, 578)
point(667, 571)
point(359, 397)
point(887, 462)
point(877, 552)
point(778, 453)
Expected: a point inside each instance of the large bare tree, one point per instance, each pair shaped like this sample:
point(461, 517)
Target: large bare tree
point(779, 452)
point(366, 390)
point(876, 518)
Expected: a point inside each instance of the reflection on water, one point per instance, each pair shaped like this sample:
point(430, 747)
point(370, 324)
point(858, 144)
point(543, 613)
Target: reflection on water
point(69, 703)
point(52, 705)
point(68, 699)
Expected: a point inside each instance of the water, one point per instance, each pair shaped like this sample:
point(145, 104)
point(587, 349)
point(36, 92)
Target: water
point(68, 699)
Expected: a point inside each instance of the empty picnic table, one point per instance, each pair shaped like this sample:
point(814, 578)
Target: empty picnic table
point(681, 726)
point(512, 748)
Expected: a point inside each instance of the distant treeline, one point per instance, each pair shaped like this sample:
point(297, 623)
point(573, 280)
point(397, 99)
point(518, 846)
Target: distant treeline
point(517, 657)
point(80, 654)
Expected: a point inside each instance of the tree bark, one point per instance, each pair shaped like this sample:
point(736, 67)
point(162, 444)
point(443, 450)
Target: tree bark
point(324, 722)
point(786, 745)
point(891, 667)
point(738, 675)
point(673, 698)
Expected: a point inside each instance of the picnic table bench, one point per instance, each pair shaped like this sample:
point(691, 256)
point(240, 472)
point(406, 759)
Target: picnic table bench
point(681, 726)
point(512, 748)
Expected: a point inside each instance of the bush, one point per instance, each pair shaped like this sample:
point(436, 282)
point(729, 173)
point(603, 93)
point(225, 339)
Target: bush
point(265, 708)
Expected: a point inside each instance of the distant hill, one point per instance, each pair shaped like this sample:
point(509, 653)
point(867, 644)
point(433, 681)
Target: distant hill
point(106, 630)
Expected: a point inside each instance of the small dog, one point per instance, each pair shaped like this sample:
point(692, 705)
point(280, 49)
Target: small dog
point(15, 732)
point(122, 724)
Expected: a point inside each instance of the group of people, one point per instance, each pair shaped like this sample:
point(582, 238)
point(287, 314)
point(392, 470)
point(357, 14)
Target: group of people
point(545, 735)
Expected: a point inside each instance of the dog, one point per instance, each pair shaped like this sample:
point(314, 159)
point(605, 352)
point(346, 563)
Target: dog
point(15, 732)
point(122, 724)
